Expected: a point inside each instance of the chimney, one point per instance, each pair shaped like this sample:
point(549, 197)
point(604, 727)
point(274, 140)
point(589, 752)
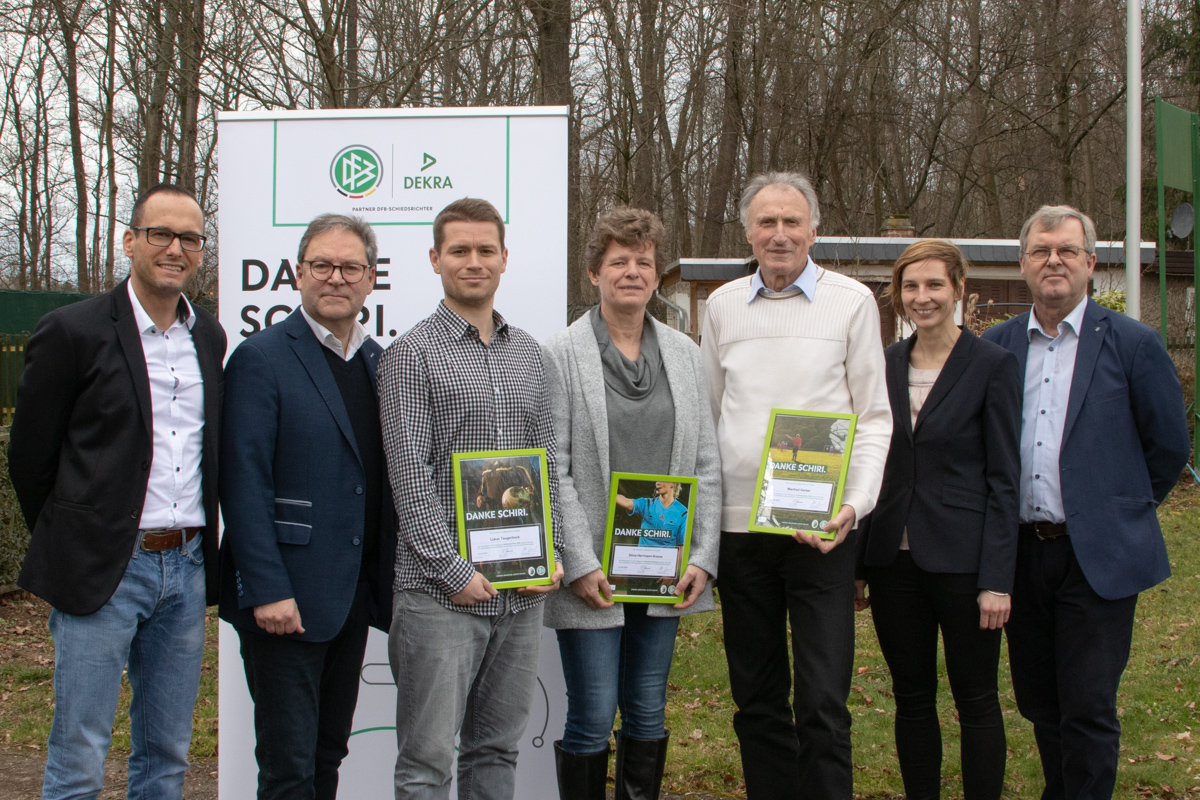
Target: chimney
point(898, 226)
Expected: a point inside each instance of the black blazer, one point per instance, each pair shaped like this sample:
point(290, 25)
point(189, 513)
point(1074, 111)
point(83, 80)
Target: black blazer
point(81, 444)
point(954, 478)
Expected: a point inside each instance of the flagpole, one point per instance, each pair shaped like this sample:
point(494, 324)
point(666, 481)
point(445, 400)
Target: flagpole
point(1133, 159)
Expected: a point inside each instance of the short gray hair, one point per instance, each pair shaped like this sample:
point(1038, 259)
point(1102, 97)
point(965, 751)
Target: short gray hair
point(1048, 218)
point(341, 222)
point(794, 180)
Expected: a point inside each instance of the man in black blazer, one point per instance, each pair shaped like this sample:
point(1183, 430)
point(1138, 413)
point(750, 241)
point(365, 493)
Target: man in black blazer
point(113, 455)
point(309, 522)
point(1103, 439)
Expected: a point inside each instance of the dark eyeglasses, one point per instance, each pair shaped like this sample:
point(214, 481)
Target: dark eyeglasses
point(323, 270)
point(162, 237)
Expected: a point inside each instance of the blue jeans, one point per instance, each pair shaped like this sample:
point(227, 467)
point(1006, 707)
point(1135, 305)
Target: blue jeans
point(460, 673)
point(612, 668)
point(154, 622)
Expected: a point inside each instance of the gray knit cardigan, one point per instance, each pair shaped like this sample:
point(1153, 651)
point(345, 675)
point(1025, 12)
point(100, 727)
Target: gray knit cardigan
point(575, 378)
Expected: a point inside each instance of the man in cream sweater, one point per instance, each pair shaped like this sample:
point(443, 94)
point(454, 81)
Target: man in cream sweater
point(792, 335)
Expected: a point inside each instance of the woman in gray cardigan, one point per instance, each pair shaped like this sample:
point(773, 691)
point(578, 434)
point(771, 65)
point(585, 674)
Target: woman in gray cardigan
point(628, 395)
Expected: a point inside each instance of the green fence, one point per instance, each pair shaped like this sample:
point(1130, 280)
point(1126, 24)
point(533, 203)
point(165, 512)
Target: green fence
point(12, 361)
point(21, 310)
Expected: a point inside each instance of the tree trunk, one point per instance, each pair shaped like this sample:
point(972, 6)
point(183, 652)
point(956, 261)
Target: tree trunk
point(721, 183)
point(163, 33)
point(191, 45)
point(552, 19)
point(68, 24)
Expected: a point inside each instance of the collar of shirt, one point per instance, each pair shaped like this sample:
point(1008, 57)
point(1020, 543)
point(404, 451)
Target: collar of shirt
point(807, 282)
point(146, 325)
point(358, 335)
point(459, 327)
point(1073, 320)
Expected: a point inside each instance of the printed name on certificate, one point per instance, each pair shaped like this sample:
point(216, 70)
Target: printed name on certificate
point(802, 495)
point(657, 562)
point(505, 544)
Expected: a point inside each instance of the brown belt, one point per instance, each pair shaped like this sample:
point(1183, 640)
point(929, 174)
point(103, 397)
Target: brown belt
point(167, 539)
point(1044, 530)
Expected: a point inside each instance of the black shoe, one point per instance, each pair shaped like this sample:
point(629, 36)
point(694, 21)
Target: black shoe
point(580, 777)
point(640, 764)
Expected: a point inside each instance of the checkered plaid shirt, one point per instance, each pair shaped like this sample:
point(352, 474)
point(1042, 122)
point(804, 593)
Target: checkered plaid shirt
point(442, 391)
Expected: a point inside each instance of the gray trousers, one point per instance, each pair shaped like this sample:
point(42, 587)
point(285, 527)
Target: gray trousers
point(459, 673)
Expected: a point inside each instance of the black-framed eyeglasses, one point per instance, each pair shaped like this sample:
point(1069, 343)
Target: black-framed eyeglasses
point(1067, 252)
point(162, 237)
point(323, 270)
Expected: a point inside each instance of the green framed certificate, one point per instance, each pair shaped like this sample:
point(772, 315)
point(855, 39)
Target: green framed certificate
point(502, 505)
point(803, 471)
point(647, 536)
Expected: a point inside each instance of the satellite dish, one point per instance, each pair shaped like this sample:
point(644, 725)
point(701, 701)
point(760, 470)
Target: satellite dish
point(1183, 219)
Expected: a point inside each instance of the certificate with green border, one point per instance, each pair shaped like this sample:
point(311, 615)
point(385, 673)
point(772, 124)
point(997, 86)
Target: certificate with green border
point(502, 506)
point(803, 471)
point(647, 536)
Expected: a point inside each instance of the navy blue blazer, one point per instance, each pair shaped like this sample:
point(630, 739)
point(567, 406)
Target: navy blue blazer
point(1125, 443)
point(291, 487)
point(953, 479)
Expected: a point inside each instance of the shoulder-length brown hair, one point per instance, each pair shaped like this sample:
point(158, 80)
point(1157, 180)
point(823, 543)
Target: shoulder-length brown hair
point(940, 249)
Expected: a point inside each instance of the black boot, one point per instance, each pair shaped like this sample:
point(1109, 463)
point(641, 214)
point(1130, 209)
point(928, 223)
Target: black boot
point(580, 777)
point(640, 764)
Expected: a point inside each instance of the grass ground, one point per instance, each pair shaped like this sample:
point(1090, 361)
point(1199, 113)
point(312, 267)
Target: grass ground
point(1157, 700)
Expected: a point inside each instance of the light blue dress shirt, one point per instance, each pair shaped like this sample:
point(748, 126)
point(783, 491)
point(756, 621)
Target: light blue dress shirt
point(1048, 373)
point(807, 282)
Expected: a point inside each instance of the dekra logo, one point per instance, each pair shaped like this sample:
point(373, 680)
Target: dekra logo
point(427, 181)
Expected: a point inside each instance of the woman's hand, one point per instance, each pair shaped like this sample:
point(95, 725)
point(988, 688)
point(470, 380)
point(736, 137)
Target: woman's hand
point(861, 601)
point(594, 589)
point(840, 525)
point(993, 610)
point(691, 586)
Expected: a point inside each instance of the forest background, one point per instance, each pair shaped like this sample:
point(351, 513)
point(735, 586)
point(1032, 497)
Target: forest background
point(964, 115)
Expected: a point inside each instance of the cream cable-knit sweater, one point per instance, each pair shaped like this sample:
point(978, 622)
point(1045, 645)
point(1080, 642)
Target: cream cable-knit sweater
point(792, 353)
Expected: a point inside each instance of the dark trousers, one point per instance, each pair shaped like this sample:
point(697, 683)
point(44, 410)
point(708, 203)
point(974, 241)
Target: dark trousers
point(1068, 647)
point(304, 695)
point(767, 580)
point(909, 605)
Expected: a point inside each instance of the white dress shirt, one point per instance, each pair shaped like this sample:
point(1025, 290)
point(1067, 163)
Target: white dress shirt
point(173, 494)
point(1048, 372)
point(358, 335)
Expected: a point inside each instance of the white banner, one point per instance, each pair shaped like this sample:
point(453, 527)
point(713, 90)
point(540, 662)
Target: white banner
point(397, 168)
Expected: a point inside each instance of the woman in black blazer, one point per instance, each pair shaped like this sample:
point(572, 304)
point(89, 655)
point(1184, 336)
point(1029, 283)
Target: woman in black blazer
point(940, 547)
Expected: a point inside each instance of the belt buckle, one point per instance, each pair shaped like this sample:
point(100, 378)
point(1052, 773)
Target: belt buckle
point(1055, 530)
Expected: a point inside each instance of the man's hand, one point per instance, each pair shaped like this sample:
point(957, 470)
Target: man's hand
point(478, 590)
point(861, 601)
point(691, 586)
point(993, 610)
point(842, 523)
point(594, 588)
point(555, 582)
point(279, 617)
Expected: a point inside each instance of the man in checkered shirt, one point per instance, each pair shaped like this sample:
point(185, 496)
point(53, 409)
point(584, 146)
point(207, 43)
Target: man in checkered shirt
point(463, 654)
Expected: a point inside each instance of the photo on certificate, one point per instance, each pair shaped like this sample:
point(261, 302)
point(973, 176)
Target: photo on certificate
point(502, 505)
point(803, 471)
point(647, 536)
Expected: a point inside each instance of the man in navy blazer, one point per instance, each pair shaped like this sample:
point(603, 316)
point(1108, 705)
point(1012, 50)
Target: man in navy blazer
point(309, 524)
point(1103, 439)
